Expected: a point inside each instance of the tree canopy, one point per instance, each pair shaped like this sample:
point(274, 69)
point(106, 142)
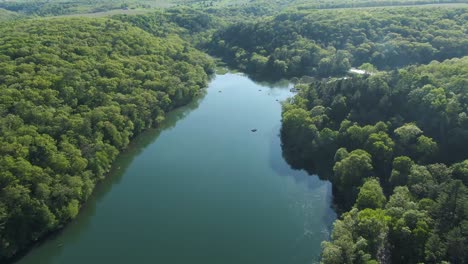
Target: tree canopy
point(73, 93)
point(400, 136)
point(324, 43)
point(393, 141)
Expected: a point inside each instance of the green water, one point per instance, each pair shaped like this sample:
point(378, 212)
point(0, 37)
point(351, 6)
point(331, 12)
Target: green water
point(204, 189)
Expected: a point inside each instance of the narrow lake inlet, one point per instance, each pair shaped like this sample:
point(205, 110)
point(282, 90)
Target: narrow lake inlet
point(211, 187)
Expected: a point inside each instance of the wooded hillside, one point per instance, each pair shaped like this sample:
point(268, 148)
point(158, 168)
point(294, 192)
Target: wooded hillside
point(73, 92)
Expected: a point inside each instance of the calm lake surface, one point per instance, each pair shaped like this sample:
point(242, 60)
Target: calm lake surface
point(203, 189)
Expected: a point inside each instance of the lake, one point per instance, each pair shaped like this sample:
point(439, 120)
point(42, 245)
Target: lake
point(203, 189)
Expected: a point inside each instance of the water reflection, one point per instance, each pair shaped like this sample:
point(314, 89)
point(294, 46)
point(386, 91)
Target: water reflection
point(206, 190)
point(53, 245)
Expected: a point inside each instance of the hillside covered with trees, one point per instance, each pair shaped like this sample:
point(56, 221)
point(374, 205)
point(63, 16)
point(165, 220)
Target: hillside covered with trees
point(73, 93)
point(394, 145)
point(393, 142)
point(6, 15)
point(316, 4)
point(324, 43)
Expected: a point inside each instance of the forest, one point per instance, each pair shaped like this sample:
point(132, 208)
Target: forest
point(394, 145)
point(73, 93)
point(392, 141)
point(51, 8)
point(6, 15)
point(328, 43)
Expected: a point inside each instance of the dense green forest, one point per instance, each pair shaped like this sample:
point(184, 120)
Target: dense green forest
point(6, 15)
point(324, 43)
point(315, 4)
point(193, 25)
point(393, 142)
point(234, 8)
point(394, 145)
point(73, 93)
point(48, 8)
point(55, 8)
point(316, 43)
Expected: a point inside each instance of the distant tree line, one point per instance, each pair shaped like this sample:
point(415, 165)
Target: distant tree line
point(57, 8)
point(327, 43)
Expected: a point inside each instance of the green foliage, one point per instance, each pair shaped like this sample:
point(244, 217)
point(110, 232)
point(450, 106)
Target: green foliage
point(68, 7)
point(359, 237)
point(6, 15)
point(350, 172)
point(400, 170)
point(460, 171)
point(55, 8)
point(193, 25)
point(370, 195)
point(407, 133)
point(324, 43)
point(394, 126)
point(73, 93)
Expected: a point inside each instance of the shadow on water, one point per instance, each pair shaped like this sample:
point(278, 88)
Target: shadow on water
point(136, 147)
point(280, 165)
point(84, 218)
point(315, 185)
point(278, 161)
point(264, 82)
point(283, 83)
point(52, 248)
point(142, 141)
